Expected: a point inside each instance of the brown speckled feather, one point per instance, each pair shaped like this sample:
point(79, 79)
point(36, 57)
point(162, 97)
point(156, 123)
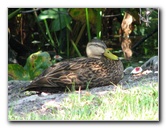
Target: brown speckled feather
point(79, 72)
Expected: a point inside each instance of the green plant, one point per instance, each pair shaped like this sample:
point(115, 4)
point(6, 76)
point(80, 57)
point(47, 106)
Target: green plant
point(36, 63)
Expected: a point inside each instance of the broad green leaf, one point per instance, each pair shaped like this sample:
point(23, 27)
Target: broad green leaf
point(60, 23)
point(60, 18)
point(17, 72)
point(48, 14)
point(36, 63)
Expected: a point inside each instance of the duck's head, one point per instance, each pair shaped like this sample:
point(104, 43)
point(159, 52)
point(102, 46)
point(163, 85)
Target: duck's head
point(96, 48)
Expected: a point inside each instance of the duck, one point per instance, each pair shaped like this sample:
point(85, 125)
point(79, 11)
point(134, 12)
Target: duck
point(100, 68)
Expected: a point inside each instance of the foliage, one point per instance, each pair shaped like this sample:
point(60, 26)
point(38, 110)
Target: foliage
point(35, 65)
point(17, 72)
point(66, 31)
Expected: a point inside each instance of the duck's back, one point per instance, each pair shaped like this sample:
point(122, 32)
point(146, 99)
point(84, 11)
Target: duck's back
point(91, 72)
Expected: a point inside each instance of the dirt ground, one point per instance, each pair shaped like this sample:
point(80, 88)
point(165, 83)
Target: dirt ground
point(25, 102)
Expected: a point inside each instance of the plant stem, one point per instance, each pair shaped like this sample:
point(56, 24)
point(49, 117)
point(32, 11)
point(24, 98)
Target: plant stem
point(60, 35)
point(87, 23)
point(79, 36)
point(75, 47)
point(98, 24)
point(48, 32)
point(40, 27)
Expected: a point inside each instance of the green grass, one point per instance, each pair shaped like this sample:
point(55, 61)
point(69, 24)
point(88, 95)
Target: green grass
point(136, 103)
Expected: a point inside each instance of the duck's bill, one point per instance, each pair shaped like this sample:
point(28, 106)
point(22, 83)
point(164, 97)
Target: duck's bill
point(109, 55)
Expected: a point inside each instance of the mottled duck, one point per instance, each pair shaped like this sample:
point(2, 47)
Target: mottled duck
point(100, 68)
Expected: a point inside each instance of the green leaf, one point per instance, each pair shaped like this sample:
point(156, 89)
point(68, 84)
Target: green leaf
point(14, 13)
point(17, 72)
point(60, 23)
point(60, 17)
point(36, 63)
point(48, 14)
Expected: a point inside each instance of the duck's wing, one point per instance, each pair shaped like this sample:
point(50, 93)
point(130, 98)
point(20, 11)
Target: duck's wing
point(60, 74)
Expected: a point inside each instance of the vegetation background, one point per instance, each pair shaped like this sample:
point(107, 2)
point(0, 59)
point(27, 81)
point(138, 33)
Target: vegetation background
point(64, 32)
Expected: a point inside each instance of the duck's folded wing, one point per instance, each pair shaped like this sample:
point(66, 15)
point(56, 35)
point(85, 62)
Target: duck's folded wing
point(59, 74)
